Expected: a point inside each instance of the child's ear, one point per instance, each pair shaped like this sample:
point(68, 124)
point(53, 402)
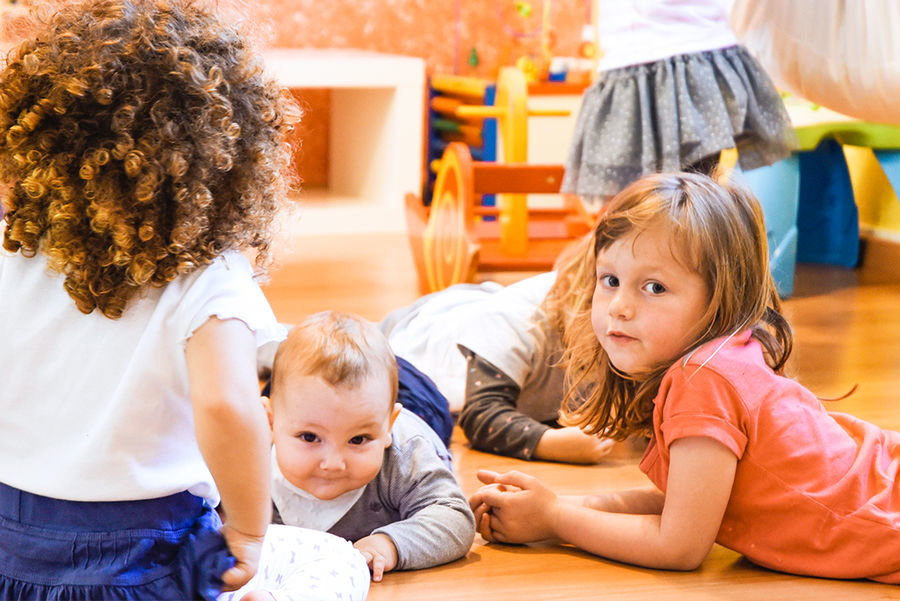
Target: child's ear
point(267, 405)
point(394, 413)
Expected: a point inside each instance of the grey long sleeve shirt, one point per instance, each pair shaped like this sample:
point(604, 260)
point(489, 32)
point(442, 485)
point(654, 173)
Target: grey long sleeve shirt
point(415, 500)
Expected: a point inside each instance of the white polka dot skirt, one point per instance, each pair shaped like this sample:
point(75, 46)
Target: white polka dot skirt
point(667, 115)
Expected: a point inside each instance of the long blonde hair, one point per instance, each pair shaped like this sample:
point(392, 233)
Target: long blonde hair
point(573, 285)
point(719, 229)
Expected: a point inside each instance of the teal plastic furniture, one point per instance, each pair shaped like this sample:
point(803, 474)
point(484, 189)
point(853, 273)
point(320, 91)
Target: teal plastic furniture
point(828, 219)
point(817, 222)
point(778, 189)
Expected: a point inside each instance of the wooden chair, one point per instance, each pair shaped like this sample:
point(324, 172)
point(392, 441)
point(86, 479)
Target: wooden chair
point(456, 237)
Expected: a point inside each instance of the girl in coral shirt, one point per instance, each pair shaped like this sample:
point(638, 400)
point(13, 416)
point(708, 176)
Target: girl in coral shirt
point(685, 327)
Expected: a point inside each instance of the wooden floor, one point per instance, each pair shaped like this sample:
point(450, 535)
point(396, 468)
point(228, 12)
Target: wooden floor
point(847, 333)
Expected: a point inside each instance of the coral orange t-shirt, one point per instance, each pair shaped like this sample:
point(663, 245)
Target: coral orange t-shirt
point(815, 493)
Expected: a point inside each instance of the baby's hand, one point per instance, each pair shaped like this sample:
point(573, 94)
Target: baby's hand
point(380, 554)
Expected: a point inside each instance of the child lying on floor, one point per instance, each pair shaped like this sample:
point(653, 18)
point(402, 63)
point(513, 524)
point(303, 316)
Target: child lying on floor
point(685, 327)
point(349, 460)
point(494, 352)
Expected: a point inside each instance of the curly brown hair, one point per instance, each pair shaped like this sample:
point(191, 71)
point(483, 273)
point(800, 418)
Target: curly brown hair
point(139, 140)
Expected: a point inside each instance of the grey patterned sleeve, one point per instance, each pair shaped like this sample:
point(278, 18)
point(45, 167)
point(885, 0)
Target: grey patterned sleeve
point(489, 417)
point(436, 524)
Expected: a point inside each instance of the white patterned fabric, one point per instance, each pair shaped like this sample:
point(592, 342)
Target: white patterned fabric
point(298, 564)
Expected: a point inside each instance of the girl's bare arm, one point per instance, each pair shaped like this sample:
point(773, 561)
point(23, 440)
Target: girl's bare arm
point(641, 500)
point(701, 474)
point(233, 434)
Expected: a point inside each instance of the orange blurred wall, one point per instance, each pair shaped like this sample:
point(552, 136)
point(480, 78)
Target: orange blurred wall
point(443, 32)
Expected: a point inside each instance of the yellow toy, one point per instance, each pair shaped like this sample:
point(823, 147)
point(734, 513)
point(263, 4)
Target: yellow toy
point(512, 112)
point(452, 242)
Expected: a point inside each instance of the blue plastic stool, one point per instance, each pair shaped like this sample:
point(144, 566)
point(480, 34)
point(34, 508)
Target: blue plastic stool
point(778, 189)
point(827, 217)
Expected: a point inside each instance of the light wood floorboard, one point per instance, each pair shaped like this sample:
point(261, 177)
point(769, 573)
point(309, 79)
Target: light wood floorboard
point(846, 333)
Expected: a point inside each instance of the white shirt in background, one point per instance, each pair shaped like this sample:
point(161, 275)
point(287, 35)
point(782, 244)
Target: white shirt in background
point(631, 32)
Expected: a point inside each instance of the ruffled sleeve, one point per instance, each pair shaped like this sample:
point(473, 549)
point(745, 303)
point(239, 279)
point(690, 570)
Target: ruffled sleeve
point(226, 289)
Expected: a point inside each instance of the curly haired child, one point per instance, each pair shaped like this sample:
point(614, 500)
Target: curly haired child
point(142, 148)
point(686, 331)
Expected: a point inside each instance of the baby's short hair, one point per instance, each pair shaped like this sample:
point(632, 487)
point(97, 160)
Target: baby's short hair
point(340, 348)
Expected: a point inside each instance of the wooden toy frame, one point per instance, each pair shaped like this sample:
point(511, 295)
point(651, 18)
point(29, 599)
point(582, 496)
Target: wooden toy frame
point(456, 237)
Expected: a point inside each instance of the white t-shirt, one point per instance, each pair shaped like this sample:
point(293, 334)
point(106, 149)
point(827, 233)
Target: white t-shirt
point(511, 333)
point(631, 32)
point(96, 409)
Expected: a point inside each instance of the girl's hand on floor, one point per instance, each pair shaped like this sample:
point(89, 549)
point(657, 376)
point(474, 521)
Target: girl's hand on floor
point(246, 549)
point(483, 521)
point(520, 509)
point(482, 510)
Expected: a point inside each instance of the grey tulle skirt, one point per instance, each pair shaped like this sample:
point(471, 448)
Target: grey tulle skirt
point(667, 115)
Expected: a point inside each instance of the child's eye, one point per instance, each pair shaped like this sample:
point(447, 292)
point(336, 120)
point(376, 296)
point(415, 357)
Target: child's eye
point(357, 440)
point(610, 281)
point(308, 437)
point(654, 288)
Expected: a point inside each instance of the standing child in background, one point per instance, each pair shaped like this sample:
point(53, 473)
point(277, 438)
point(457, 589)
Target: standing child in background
point(685, 329)
point(142, 149)
point(673, 89)
point(494, 351)
point(347, 459)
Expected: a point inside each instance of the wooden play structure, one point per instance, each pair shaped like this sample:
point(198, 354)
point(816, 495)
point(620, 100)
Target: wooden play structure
point(511, 112)
point(459, 235)
point(446, 123)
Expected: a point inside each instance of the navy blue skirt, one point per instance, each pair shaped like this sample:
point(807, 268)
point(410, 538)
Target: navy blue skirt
point(419, 394)
point(166, 548)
